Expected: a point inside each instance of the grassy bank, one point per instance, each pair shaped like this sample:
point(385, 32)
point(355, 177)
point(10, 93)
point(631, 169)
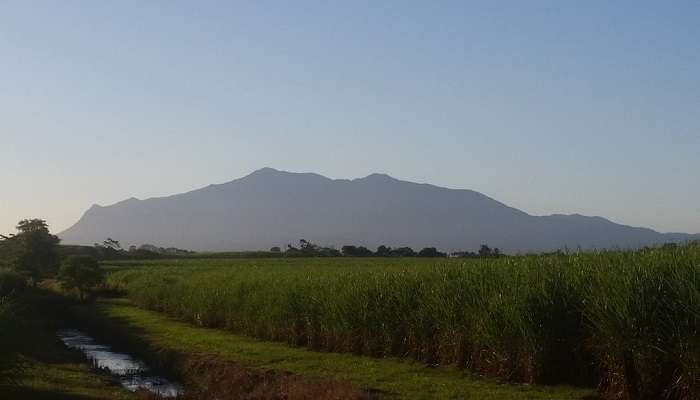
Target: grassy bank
point(185, 345)
point(34, 364)
point(624, 321)
point(57, 377)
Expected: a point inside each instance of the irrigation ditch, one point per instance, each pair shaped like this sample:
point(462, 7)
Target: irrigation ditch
point(133, 374)
point(194, 376)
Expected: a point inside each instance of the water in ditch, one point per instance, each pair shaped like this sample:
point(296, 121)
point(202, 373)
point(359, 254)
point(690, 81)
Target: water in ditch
point(132, 373)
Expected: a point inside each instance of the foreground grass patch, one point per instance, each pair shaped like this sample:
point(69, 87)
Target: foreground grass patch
point(388, 378)
point(36, 365)
point(63, 378)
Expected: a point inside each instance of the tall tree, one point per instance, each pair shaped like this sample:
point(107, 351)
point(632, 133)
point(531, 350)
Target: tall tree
point(430, 252)
point(485, 251)
point(383, 251)
point(35, 250)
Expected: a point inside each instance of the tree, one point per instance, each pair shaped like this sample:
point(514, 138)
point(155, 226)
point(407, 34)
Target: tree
point(356, 251)
point(110, 249)
point(430, 252)
point(7, 251)
point(383, 251)
point(32, 225)
point(484, 251)
point(35, 250)
point(307, 248)
point(348, 250)
point(10, 282)
point(403, 252)
point(112, 244)
point(275, 250)
point(82, 273)
point(362, 251)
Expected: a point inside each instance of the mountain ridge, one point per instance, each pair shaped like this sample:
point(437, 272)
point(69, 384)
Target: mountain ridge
point(272, 208)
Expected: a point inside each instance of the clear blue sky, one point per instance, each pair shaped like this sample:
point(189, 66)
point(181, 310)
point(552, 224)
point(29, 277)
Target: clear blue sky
point(552, 107)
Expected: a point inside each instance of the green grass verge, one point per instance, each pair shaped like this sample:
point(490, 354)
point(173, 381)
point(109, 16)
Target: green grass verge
point(392, 378)
point(38, 366)
point(65, 377)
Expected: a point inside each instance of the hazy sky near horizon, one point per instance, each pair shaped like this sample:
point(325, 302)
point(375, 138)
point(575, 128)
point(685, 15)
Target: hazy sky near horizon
point(548, 106)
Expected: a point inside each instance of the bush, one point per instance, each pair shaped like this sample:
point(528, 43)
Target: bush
point(82, 273)
point(11, 282)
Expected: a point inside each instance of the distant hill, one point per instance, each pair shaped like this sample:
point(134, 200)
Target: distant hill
point(272, 208)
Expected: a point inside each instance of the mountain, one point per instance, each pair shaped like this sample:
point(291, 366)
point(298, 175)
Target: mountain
point(272, 208)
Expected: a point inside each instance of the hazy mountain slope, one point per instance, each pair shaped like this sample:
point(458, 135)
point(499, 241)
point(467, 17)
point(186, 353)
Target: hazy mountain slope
point(272, 208)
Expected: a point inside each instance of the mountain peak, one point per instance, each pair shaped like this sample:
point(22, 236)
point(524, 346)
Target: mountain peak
point(265, 171)
point(267, 175)
point(378, 177)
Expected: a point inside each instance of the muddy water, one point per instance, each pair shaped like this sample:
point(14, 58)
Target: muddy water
point(132, 373)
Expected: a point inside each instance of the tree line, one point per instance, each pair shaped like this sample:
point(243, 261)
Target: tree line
point(34, 254)
point(309, 249)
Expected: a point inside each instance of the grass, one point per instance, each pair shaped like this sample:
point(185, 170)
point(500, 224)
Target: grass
point(621, 320)
point(34, 364)
point(392, 378)
point(66, 378)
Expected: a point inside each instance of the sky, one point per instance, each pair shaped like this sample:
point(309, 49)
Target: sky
point(548, 106)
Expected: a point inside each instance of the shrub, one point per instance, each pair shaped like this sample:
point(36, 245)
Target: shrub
point(11, 282)
point(82, 273)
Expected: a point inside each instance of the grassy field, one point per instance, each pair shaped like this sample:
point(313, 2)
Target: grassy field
point(624, 321)
point(388, 378)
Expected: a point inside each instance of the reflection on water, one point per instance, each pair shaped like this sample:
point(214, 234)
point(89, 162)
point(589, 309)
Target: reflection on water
point(133, 374)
